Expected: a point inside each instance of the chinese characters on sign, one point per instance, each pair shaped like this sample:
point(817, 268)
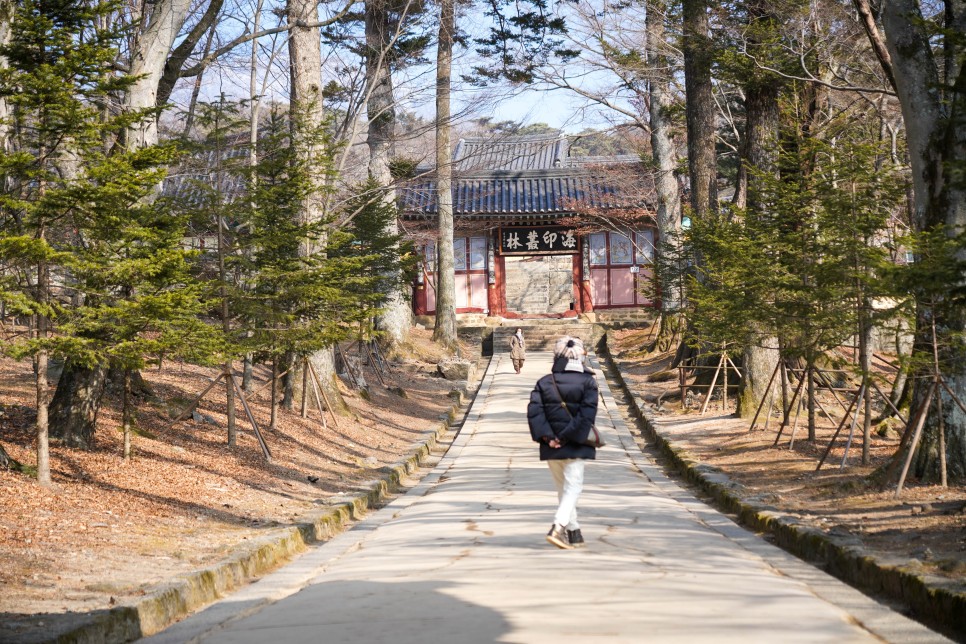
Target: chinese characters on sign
point(537, 240)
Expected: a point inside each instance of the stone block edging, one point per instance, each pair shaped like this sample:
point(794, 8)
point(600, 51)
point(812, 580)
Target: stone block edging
point(177, 599)
point(930, 599)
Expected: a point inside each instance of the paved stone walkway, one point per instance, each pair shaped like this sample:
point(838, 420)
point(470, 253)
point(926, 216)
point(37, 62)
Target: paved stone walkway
point(462, 558)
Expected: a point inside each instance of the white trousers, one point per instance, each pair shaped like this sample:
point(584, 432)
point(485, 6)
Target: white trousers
point(568, 478)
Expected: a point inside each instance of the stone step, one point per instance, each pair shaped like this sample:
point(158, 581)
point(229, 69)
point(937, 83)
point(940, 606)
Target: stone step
point(542, 335)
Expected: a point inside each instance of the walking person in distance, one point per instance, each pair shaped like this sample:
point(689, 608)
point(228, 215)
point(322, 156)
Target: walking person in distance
point(518, 350)
point(561, 430)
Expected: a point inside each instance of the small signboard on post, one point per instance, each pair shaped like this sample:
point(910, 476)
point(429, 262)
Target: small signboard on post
point(538, 240)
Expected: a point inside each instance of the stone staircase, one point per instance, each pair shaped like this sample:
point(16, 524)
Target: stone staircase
point(540, 335)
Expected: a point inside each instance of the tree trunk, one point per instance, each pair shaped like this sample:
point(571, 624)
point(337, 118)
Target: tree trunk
point(274, 404)
point(175, 62)
point(139, 386)
point(762, 116)
point(758, 363)
point(148, 57)
point(935, 128)
point(288, 384)
point(700, 111)
point(700, 108)
point(663, 149)
point(42, 298)
point(247, 369)
point(445, 330)
point(810, 384)
point(323, 363)
point(127, 414)
point(196, 88)
point(7, 462)
point(77, 400)
point(900, 394)
point(305, 64)
point(73, 418)
point(7, 8)
point(865, 364)
point(396, 318)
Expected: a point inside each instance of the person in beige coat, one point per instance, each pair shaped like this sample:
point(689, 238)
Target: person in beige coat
point(518, 350)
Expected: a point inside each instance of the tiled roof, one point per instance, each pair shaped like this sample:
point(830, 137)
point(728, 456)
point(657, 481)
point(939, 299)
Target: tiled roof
point(535, 152)
point(514, 194)
point(617, 159)
point(205, 173)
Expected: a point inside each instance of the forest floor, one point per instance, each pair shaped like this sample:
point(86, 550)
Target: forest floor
point(110, 530)
point(925, 526)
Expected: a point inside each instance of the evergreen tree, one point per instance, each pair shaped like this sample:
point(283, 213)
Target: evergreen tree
point(94, 257)
point(211, 198)
point(298, 303)
point(806, 267)
point(389, 261)
point(934, 284)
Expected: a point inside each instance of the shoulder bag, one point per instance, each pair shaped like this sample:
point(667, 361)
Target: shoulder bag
point(594, 439)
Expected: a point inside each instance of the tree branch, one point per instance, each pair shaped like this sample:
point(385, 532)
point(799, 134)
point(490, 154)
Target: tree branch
point(172, 66)
point(811, 78)
point(875, 39)
point(244, 38)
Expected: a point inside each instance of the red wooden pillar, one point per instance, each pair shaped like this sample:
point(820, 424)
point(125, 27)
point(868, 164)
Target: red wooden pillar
point(582, 302)
point(419, 298)
point(496, 292)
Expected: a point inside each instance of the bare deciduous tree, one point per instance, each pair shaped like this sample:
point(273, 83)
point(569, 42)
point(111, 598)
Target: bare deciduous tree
point(445, 329)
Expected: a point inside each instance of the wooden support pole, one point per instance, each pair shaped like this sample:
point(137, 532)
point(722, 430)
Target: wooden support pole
point(784, 385)
point(194, 403)
point(845, 419)
point(714, 381)
point(251, 418)
point(328, 405)
point(788, 412)
point(305, 393)
point(318, 400)
point(824, 411)
point(267, 383)
point(771, 405)
point(683, 383)
point(768, 396)
point(942, 436)
point(920, 421)
point(348, 367)
point(952, 395)
point(734, 368)
point(855, 421)
point(798, 414)
point(889, 402)
point(375, 365)
point(834, 390)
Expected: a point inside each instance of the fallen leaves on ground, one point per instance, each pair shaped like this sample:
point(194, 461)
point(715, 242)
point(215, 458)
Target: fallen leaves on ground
point(109, 530)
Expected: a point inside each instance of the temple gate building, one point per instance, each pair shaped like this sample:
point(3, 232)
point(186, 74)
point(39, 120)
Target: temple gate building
point(538, 233)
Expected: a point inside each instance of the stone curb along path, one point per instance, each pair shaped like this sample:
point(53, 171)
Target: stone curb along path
point(930, 599)
point(177, 599)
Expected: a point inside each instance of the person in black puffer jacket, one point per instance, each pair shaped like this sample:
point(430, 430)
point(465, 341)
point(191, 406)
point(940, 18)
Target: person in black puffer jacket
point(561, 430)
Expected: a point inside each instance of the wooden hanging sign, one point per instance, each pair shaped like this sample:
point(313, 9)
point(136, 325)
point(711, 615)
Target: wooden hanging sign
point(538, 240)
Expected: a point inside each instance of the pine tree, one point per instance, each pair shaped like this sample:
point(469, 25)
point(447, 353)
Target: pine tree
point(934, 284)
point(389, 260)
point(76, 222)
point(807, 266)
point(218, 165)
point(296, 303)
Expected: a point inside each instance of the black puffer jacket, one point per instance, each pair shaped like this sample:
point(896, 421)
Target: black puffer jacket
point(548, 419)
